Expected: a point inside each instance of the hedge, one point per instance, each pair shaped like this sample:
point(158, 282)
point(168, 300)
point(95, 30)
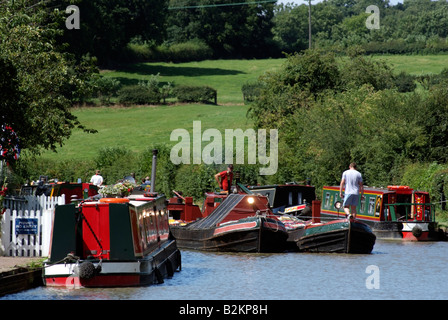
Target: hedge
point(138, 95)
point(195, 94)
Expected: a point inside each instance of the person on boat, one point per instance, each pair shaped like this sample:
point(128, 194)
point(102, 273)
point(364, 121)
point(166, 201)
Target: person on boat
point(352, 184)
point(226, 178)
point(97, 179)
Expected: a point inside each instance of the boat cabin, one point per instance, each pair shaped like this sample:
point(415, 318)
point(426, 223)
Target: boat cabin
point(109, 229)
point(395, 212)
point(287, 195)
point(396, 203)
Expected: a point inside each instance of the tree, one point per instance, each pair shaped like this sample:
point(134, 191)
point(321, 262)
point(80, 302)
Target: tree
point(329, 116)
point(35, 77)
point(107, 26)
point(236, 30)
point(300, 81)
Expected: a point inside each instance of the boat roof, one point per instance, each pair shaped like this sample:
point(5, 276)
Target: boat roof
point(366, 188)
point(389, 189)
point(272, 186)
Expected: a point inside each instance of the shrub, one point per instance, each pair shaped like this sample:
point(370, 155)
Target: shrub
point(405, 82)
point(193, 50)
point(251, 91)
point(138, 94)
point(195, 94)
point(106, 88)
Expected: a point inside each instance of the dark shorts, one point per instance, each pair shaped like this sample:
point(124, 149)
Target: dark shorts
point(351, 200)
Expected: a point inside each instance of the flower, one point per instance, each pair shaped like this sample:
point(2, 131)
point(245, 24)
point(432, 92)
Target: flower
point(2, 195)
point(122, 189)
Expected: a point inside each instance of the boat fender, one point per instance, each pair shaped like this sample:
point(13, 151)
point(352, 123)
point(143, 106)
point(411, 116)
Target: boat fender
point(169, 268)
point(85, 270)
point(417, 231)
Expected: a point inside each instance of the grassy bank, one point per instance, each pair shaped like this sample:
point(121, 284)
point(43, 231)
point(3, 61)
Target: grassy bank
point(226, 76)
point(137, 128)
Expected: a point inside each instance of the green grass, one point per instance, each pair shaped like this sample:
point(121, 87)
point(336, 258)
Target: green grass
point(416, 64)
point(226, 76)
point(138, 128)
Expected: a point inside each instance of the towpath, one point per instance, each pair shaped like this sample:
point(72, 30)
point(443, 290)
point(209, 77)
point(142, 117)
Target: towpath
point(11, 263)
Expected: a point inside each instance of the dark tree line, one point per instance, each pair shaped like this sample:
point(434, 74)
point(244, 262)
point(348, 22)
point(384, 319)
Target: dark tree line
point(232, 29)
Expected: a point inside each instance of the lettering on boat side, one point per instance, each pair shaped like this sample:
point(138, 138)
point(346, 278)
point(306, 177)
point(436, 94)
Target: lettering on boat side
point(373, 280)
point(227, 309)
point(212, 153)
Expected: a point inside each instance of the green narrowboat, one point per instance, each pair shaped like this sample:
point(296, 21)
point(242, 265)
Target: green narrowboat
point(395, 212)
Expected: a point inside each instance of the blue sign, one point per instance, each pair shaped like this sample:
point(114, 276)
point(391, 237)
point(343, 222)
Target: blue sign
point(26, 226)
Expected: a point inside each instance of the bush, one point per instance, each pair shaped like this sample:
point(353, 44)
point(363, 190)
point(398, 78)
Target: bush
point(251, 91)
point(193, 50)
point(138, 94)
point(405, 82)
point(106, 88)
point(195, 94)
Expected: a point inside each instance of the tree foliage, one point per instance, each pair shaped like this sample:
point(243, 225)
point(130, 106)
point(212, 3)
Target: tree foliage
point(415, 26)
point(231, 31)
point(107, 26)
point(351, 112)
point(37, 81)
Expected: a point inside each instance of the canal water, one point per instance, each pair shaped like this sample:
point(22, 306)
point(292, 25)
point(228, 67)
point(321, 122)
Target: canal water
point(394, 270)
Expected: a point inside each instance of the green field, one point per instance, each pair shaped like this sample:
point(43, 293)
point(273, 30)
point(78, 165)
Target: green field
point(139, 127)
point(226, 76)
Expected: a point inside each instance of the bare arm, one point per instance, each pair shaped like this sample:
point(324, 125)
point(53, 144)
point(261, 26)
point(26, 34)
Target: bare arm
point(217, 178)
point(341, 186)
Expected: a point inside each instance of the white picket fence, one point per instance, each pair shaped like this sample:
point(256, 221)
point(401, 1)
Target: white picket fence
point(26, 225)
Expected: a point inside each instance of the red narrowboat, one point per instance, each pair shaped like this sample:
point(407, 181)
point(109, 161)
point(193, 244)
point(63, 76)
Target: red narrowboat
point(111, 242)
point(236, 222)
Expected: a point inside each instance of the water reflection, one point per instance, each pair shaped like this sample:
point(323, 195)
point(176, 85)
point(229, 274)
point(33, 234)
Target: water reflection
point(406, 271)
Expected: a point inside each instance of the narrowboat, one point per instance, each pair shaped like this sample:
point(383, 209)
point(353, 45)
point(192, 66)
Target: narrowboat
point(395, 212)
point(335, 235)
point(71, 190)
point(338, 236)
point(236, 222)
point(111, 242)
point(288, 195)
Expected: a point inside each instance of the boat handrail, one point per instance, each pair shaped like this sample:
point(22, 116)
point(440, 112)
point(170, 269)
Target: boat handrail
point(432, 211)
point(321, 217)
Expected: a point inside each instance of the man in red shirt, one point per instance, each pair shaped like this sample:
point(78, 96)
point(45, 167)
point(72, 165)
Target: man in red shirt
point(226, 178)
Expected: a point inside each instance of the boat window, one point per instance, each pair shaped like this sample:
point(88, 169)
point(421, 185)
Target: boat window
point(290, 198)
point(327, 199)
point(299, 198)
point(378, 207)
point(362, 207)
point(371, 205)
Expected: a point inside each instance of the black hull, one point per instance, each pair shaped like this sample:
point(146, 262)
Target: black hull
point(355, 238)
point(259, 239)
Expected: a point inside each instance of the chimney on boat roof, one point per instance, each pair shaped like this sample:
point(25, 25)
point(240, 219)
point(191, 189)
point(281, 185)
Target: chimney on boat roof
point(153, 169)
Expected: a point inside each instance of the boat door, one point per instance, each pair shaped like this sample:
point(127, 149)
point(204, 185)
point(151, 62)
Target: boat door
point(387, 214)
point(421, 212)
